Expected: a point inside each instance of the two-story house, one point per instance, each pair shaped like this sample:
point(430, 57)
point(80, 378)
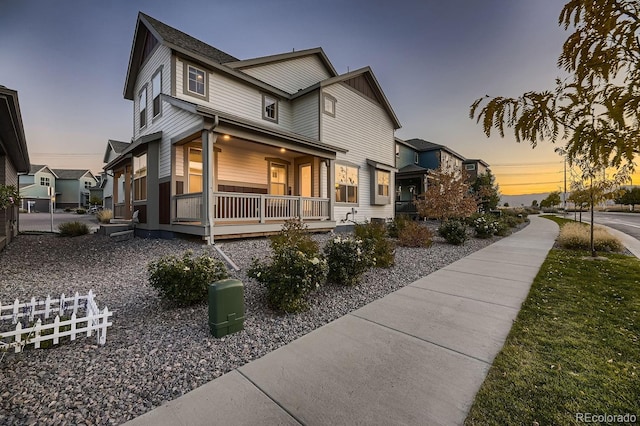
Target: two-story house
point(73, 187)
point(225, 147)
point(14, 158)
point(36, 187)
point(475, 168)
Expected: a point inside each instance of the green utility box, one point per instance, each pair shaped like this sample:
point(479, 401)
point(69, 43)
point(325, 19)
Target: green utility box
point(226, 307)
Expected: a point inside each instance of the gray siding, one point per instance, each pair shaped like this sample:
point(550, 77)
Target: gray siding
point(306, 118)
point(291, 75)
point(160, 58)
point(364, 128)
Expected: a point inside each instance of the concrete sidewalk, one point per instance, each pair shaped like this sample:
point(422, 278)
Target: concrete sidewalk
point(416, 356)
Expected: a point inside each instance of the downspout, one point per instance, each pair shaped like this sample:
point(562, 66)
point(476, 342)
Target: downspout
point(207, 196)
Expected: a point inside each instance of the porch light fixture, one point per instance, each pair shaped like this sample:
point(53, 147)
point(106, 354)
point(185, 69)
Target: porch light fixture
point(283, 150)
point(226, 137)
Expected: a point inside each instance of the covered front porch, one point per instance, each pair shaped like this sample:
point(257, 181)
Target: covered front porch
point(411, 182)
point(256, 183)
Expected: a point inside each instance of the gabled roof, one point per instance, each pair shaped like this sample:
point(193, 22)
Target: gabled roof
point(367, 72)
point(469, 161)
point(171, 37)
point(412, 168)
point(248, 63)
point(424, 146)
point(35, 168)
point(12, 139)
point(115, 146)
point(72, 173)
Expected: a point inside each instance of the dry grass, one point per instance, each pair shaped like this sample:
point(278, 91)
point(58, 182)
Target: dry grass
point(576, 236)
point(104, 216)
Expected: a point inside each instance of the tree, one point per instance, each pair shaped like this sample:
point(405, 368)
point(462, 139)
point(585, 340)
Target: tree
point(534, 203)
point(579, 197)
point(95, 200)
point(553, 199)
point(506, 204)
point(486, 191)
point(447, 196)
point(597, 108)
point(631, 197)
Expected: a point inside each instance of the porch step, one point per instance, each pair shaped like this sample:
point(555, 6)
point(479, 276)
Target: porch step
point(108, 229)
point(122, 235)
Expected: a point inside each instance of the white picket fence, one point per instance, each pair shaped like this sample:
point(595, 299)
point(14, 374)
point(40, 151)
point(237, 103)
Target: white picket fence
point(86, 318)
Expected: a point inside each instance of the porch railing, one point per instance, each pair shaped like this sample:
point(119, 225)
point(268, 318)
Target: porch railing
point(238, 207)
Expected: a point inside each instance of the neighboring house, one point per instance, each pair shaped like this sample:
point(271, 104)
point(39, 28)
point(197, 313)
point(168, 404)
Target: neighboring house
point(72, 187)
point(225, 147)
point(414, 159)
point(475, 168)
point(113, 151)
point(35, 187)
point(14, 158)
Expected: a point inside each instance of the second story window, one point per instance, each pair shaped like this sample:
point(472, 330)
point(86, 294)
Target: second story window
point(44, 181)
point(416, 158)
point(87, 184)
point(143, 107)
point(156, 89)
point(269, 108)
point(329, 105)
point(196, 82)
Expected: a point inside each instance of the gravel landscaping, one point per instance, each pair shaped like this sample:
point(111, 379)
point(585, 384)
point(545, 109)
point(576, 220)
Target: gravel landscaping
point(156, 353)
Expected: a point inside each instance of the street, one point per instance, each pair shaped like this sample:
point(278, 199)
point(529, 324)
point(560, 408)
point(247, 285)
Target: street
point(629, 223)
point(41, 222)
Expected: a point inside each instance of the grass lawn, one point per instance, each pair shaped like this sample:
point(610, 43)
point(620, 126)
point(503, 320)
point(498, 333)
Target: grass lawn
point(574, 347)
point(560, 220)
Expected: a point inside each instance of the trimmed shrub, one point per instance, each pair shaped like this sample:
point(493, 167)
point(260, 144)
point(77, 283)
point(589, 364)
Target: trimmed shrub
point(502, 228)
point(414, 234)
point(104, 216)
point(295, 234)
point(73, 229)
point(454, 232)
point(485, 226)
point(375, 241)
point(294, 270)
point(396, 225)
point(577, 236)
point(185, 280)
point(347, 259)
point(289, 276)
point(81, 211)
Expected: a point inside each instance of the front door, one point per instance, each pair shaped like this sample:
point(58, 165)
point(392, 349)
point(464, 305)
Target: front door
point(278, 179)
point(305, 180)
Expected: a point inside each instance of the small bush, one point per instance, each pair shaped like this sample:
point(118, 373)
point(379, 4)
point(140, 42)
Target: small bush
point(290, 276)
point(104, 216)
point(375, 241)
point(347, 259)
point(396, 225)
point(502, 228)
point(485, 226)
point(577, 236)
point(67, 210)
point(185, 280)
point(454, 232)
point(81, 211)
point(294, 234)
point(73, 229)
point(414, 234)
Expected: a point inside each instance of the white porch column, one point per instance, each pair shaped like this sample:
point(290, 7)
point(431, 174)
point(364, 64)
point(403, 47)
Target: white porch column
point(208, 140)
point(331, 187)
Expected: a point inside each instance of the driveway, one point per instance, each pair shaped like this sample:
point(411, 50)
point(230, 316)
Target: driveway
point(41, 222)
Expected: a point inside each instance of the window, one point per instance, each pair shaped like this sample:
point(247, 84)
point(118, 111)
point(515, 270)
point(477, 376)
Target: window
point(156, 89)
point(346, 184)
point(269, 108)
point(470, 166)
point(416, 158)
point(87, 184)
point(383, 183)
point(196, 80)
point(140, 177)
point(329, 105)
point(45, 181)
point(143, 107)
point(195, 170)
point(277, 179)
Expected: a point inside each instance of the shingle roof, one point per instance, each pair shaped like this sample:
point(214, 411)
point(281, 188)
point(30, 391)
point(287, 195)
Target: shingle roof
point(118, 146)
point(70, 173)
point(412, 168)
point(422, 145)
point(185, 41)
point(35, 168)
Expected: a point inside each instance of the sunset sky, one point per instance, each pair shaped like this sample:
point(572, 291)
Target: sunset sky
point(68, 59)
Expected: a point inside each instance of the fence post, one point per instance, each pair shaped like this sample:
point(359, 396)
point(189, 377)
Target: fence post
point(47, 307)
point(37, 333)
point(16, 304)
point(18, 338)
point(75, 303)
point(62, 307)
point(33, 309)
point(56, 329)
